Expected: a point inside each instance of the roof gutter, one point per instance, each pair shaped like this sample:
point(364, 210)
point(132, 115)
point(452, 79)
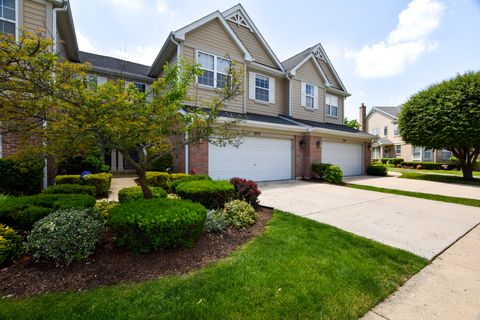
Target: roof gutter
point(266, 125)
point(64, 8)
point(122, 74)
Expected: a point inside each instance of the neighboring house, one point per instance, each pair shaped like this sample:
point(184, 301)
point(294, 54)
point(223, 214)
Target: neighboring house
point(293, 110)
point(383, 123)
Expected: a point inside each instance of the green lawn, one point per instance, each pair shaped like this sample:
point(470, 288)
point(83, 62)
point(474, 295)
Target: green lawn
point(449, 172)
point(429, 196)
point(440, 178)
point(297, 269)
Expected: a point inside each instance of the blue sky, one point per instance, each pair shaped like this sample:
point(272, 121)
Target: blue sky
point(384, 51)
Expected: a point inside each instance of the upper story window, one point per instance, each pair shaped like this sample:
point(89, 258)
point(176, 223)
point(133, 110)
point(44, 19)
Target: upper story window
point(332, 105)
point(385, 131)
point(215, 70)
point(375, 131)
point(7, 17)
point(142, 87)
point(309, 95)
point(262, 88)
point(395, 129)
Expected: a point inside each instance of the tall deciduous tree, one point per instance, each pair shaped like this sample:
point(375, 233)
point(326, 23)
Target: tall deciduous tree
point(446, 115)
point(354, 124)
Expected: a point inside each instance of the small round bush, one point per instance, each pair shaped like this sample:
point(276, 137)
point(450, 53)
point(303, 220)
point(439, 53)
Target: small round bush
point(66, 236)
point(104, 207)
point(10, 244)
point(333, 174)
point(215, 221)
point(146, 225)
point(70, 189)
point(377, 170)
point(136, 193)
point(246, 190)
point(186, 178)
point(239, 214)
point(158, 179)
point(212, 194)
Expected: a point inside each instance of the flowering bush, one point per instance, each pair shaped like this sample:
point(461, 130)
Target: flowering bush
point(239, 214)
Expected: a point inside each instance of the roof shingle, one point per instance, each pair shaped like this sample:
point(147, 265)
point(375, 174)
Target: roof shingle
point(114, 64)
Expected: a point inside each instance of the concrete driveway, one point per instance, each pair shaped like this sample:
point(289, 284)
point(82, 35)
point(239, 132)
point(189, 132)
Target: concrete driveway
point(423, 227)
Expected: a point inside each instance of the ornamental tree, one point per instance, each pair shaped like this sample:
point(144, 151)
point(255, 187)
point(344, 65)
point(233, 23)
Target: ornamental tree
point(446, 115)
point(354, 124)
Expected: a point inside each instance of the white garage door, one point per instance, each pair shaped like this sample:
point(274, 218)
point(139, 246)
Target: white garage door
point(259, 159)
point(348, 156)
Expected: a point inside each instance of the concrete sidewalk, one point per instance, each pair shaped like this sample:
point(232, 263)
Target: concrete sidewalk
point(119, 183)
point(441, 188)
point(449, 288)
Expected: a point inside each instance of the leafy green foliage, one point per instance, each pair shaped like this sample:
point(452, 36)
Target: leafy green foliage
point(24, 211)
point(20, 176)
point(136, 193)
point(157, 179)
point(246, 190)
point(172, 185)
point(70, 189)
point(215, 221)
point(11, 244)
point(423, 165)
point(104, 206)
point(354, 124)
point(377, 170)
point(212, 194)
point(146, 225)
point(162, 163)
point(446, 115)
point(333, 174)
point(66, 236)
point(77, 164)
point(393, 161)
point(239, 214)
point(101, 181)
point(319, 169)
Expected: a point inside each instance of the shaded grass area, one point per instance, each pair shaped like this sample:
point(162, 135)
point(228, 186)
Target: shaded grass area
point(444, 172)
point(429, 196)
point(297, 269)
point(440, 178)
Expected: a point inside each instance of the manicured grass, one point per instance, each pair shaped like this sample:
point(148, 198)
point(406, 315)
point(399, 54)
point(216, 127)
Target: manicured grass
point(429, 196)
point(440, 178)
point(449, 172)
point(297, 269)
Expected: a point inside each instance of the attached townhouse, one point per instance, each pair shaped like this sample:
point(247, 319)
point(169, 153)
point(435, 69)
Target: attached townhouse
point(382, 122)
point(292, 110)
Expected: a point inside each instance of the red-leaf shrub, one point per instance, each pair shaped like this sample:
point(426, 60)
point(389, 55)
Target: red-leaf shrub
point(246, 190)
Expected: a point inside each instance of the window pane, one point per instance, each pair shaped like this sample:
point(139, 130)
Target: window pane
point(221, 80)
point(7, 27)
point(223, 65)
point(309, 90)
point(206, 78)
point(206, 61)
point(261, 94)
point(310, 102)
point(140, 86)
point(261, 81)
point(334, 111)
point(9, 3)
point(9, 13)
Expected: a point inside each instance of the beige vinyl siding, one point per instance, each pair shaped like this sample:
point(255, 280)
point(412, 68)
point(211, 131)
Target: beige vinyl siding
point(328, 72)
point(339, 118)
point(380, 120)
point(200, 95)
point(281, 99)
point(34, 16)
point(308, 73)
point(253, 45)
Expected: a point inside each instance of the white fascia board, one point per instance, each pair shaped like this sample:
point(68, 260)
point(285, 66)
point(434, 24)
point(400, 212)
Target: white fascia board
point(293, 72)
point(358, 135)
point(180, 33)
point(263, 125)
point(331, 66)
point(338, 92)
point(240, 8)
point(267, 69)
point(381, 111)
point(153, 69)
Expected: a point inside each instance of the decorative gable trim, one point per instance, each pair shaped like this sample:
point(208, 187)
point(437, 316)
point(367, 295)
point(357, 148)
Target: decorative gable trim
point(293, 72)
point(180, 33)
point(318, 50)
point(239, 8)
point(239, 20)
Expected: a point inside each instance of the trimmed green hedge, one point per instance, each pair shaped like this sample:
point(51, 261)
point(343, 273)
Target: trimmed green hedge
point(136, 193)
point(319, 169)
point(377, 170)
point(186, 178)
point(333, 174)
point(212, 194)
point(101, 181)
point(146, 225)
point(24, 211)
point(424, 165)
point(70, 189)
point(158, 179)
point(393, 161)
point(19, 177)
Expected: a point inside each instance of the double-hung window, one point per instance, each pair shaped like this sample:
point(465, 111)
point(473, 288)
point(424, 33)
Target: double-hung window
point(215, 70)
point(309, 95)
point(142, 87)
point(385, 131)
point(446, 154)
point(395, 129)
point(262, 88)
point(7, 17)
point(375, 131)
point(417, 153)
point(398, 149)
point(427, 154)
point(332, 105)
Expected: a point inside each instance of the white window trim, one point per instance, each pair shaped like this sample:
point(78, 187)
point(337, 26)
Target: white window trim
point(215, 71)
point(328, 106)
point(425, 152)
point(313, 96)
point(396, 131)
point(15, 22)
point(396, 151)
point(385, 131)
point(255, 88)
point(419, 157)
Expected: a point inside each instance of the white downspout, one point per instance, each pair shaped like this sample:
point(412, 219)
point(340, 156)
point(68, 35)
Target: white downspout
point(290, 109)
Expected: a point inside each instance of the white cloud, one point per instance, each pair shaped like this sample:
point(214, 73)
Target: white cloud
point(143, 55)
point(162, 6)
point(83, 43)
point(405, 44)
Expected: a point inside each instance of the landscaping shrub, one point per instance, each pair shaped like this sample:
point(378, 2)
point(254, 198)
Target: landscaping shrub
point(319, 169)
point(66, 236)
point(177, 176)
point(10, 244)
point(158, 179)
point(393, 161)
point(186, 178)
point(146, 225)
point(23, 176)
point(377, 170)
point(101, 181)
point(104, 207)
point(70, 189)
point(24, 211)
point(423, 165)
point(212, 194)
point(78, 164)
point(246, 190)
point(333, 174)
point(215, 221)
point(136, 193)
point(239, 214)
point(162, 164)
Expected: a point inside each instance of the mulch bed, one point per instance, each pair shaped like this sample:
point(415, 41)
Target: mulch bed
point(111, 265)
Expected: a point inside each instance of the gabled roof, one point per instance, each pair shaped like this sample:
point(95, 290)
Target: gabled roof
point(66, 29)
point(239, 8)
point(308, 57)
point(392, 112)
point(323, 125)
point(318, 52)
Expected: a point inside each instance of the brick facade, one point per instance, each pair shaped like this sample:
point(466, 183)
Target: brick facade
point(198, 158)
point(9, 145)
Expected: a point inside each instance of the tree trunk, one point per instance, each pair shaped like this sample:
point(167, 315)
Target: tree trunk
point(467, 171)
point(142, 177)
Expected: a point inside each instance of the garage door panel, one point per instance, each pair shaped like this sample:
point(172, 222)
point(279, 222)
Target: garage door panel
point(348, 156)
point(259, 159)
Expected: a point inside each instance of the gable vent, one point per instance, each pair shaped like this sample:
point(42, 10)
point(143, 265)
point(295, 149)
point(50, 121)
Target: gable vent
point(318, 54)
point(239, 20)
